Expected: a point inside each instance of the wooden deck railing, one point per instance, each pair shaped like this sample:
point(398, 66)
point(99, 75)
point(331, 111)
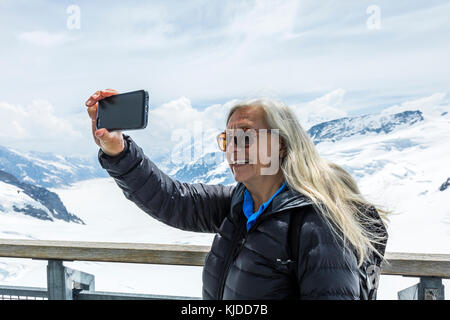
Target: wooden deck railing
point(431, 268)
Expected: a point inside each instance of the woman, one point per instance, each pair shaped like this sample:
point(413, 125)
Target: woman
point(302, 231)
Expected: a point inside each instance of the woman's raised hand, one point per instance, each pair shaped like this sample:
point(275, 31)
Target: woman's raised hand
point(110, 142)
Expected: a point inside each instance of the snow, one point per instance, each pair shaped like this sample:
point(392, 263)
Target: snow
point(217, 175)
point(401, 171)
point(12, 196)
point(109, 217)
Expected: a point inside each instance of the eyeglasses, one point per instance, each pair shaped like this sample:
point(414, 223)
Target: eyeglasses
point(241, 137)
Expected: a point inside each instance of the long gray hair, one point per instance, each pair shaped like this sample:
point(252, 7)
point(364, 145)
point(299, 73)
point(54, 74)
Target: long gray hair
point(329, 186)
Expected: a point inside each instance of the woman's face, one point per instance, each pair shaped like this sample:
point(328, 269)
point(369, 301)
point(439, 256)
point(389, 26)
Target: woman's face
point(252, 118)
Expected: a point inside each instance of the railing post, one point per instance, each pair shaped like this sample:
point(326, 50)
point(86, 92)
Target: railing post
point(64, 283)
point(429, 288)
point(59, 285)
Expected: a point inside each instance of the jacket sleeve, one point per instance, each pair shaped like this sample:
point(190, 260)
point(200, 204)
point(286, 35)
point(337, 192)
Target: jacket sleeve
point(192, 207)
point(326, 269)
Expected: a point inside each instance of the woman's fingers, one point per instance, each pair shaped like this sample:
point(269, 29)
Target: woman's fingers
point(110, 142)
point(92, 111)
point(102, 134)
point(98, 95)
point(92, 104)
point(94, 128)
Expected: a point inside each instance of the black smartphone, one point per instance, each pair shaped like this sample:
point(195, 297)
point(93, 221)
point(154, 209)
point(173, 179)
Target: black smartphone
point(125, 111)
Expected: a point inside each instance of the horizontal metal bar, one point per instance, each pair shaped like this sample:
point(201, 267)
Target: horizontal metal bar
point(24, 291)
point(99, 295)
point(88, 295)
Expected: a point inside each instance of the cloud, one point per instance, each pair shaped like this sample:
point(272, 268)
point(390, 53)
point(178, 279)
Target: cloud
point(228, 48)
point(175, 124)
point(324, 108)
point(428, 104)
point(36, 126)
point(33, 124)
point(263, 19)
point(44, 38)
point(173, 127)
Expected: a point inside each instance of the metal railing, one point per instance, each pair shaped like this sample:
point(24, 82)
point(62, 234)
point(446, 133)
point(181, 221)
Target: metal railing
point(64, 283)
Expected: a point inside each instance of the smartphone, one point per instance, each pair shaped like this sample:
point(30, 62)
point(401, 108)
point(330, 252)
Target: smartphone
point(125, 111)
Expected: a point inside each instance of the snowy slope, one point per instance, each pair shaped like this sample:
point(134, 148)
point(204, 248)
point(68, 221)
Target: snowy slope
point(47, 169)
point(403, 171)
point(35, 202)
point(109, 217)
point(338, 129)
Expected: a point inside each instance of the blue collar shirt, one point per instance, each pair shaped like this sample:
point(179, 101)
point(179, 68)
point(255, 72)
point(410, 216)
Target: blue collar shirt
point(247, 206)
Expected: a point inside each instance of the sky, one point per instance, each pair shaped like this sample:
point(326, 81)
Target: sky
point(327, 59)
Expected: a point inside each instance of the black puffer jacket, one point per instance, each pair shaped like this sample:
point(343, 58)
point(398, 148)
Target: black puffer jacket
point(241, 264)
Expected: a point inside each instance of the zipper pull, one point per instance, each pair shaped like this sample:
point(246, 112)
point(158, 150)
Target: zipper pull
point(284, 262)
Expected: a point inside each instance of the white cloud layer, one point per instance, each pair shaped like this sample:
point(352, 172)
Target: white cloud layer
point(214, 51)
point(175, 123)
point(325, 108)
point(44, 38)
point(36, 126)
point(219, 50)
point(430, 104)
point(172, 125)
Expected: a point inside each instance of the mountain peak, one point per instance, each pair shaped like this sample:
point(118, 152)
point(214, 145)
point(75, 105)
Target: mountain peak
point(31, 200)
point(338, 129)
point(48, 170)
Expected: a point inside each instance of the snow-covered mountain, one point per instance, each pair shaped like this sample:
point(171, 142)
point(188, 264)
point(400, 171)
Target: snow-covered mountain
point(374, 125)
point(445, 185)
point(338, 129)
point(47, 169)
point(38, 202)
point(210, 168)
point(26, 177)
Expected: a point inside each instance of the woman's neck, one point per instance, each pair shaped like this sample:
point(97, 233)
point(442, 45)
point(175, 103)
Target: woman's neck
point(263, 188)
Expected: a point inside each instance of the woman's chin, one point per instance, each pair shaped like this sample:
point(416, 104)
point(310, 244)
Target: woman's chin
point(242, 172)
